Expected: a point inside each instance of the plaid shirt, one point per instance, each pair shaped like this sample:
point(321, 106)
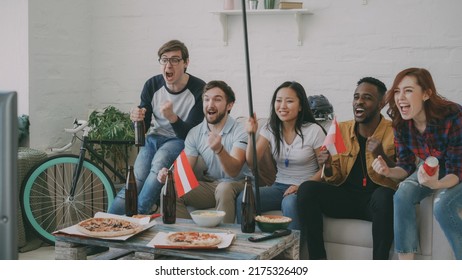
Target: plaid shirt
point(441, 139)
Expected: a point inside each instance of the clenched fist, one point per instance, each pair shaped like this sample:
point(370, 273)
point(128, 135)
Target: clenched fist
point(166, 110)
point(214, 142)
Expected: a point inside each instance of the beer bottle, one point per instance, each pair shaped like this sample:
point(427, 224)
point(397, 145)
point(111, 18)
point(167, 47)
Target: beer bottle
point(131, 194)
point(169, 201)
point(248, 208)
point(139, 133)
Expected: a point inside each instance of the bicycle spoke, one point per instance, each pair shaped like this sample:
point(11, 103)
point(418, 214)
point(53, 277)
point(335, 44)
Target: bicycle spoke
point(47, 195)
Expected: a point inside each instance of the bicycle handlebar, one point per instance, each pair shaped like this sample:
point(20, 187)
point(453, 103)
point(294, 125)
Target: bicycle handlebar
point(80, 125)
point(59, 150)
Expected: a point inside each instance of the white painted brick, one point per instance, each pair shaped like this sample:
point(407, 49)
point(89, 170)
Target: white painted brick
point(86, 54)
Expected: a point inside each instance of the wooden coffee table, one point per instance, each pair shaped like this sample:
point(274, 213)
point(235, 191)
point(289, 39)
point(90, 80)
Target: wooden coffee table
point(287, 247)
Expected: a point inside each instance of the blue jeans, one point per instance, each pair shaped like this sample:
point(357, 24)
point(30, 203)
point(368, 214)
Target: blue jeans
point(446, 209)
point(158, 152)
point(271, 198)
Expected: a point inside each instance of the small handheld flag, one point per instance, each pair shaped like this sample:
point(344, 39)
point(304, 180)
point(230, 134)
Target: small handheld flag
point(334, 140)
point(184, 177)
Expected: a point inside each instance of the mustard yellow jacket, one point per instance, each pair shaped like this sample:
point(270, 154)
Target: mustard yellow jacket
point(343, 163)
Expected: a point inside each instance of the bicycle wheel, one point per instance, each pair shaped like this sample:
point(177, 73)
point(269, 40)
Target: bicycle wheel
point(45, 198)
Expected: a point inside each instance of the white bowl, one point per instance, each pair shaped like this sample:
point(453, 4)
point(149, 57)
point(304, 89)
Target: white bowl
point(207, 218)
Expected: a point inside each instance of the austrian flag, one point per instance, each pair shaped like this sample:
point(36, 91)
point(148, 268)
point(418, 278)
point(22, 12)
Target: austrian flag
point(334, 140)
point(183, 175)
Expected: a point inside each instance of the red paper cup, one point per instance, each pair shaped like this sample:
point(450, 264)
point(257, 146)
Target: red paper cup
point(431, 165)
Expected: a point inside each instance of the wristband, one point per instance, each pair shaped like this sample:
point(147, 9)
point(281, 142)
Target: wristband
point(220, 150)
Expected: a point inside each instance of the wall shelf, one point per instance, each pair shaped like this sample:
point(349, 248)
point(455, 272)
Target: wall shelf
point(296, 13)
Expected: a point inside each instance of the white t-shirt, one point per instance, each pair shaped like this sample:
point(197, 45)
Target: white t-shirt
point(299, 157)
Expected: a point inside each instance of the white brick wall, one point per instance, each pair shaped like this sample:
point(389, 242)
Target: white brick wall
point(14, 74)
point(93, 53)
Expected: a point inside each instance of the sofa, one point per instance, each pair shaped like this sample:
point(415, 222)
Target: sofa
point(355, 240)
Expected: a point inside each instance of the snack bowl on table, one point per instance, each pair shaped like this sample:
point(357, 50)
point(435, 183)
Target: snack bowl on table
point(270, 223)
point(208, 218)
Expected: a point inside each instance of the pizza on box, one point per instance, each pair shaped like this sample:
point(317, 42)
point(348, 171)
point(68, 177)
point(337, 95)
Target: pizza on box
point(107, 227)
point(193, 238)
point(140, 216)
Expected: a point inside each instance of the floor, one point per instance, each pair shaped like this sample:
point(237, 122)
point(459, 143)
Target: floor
point(43, 253)
point(47, 252)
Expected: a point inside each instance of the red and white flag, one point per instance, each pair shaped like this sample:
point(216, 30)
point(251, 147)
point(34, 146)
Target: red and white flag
point(184, 177)
point(334, 140)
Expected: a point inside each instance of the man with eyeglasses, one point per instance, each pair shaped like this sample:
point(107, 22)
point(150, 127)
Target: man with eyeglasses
point(172, 102)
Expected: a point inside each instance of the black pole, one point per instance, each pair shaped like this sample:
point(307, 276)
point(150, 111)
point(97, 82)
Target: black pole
point(249, 93)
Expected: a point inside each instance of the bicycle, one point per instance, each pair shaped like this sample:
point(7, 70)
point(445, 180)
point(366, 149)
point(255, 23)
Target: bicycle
point(65, 189)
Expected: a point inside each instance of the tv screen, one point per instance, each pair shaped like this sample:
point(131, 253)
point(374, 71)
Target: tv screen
point(8, 176)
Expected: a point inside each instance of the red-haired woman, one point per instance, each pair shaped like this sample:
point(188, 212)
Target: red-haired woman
point(425, 124)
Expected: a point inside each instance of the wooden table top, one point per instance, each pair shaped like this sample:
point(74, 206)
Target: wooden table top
point(240, 249)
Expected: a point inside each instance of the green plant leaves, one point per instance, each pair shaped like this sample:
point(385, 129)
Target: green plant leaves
point(111, 124)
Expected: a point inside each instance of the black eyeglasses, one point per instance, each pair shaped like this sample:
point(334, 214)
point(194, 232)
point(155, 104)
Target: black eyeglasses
point(172, 60)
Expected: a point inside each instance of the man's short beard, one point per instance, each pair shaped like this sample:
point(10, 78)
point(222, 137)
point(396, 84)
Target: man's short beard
point(218, 119)
point(370, 117)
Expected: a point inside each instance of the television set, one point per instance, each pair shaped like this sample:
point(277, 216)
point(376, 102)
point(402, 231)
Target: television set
point(8, 176)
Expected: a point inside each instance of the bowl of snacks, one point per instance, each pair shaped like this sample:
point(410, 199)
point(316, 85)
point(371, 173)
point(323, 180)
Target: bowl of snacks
point(270, 223)
point(208, 218)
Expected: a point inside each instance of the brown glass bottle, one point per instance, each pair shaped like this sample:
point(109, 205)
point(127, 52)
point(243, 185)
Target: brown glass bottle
point(248, 208)
point(139, 133)
point(169, 201)
point(131, 194)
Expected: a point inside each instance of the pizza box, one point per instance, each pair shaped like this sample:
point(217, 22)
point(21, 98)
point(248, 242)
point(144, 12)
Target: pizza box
point(160, 241)
point(145, 222)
